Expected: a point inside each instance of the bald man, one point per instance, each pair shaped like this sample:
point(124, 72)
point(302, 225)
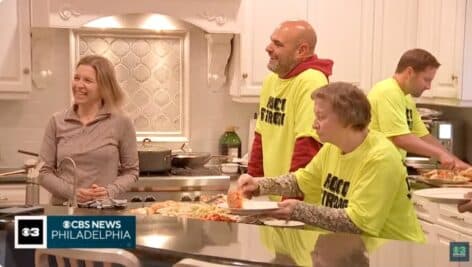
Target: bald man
point(284, 138)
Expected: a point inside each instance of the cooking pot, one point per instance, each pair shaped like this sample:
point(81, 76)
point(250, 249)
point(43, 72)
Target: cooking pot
point(153, 158)
point(190, 159)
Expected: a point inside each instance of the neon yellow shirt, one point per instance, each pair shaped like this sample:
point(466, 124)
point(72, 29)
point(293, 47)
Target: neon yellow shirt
point(369, 183)
point(294, 243)
point(285, 114)
point(393, 112)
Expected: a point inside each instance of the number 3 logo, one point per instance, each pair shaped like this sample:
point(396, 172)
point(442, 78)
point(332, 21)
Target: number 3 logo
point(34, 232)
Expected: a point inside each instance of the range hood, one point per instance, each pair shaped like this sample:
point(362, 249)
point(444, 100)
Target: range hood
point(222, 16)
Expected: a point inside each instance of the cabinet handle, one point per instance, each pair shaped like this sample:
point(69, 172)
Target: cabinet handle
point(245, 75)
point(417, 205)
point(456, 218)
point(26, 71)
point(454, 77)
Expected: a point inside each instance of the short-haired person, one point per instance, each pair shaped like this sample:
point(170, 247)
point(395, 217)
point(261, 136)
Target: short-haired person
point(394, 111)
point(95, 134)
point(284, 140)
point(359, 172)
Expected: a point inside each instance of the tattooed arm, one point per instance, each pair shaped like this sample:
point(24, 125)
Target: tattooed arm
point(281, 185)
point(332, 219)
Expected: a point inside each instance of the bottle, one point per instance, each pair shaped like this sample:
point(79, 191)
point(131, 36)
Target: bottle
point(230, 143)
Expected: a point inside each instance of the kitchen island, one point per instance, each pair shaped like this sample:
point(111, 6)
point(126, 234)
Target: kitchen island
point(162, 241)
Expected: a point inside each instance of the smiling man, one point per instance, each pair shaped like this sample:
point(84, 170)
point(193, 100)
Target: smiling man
point(284, 140)
point(394, 111)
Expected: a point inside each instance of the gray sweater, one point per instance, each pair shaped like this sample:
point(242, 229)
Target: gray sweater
point(104, 150)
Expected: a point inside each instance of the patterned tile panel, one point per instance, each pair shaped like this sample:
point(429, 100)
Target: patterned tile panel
point(149, 68)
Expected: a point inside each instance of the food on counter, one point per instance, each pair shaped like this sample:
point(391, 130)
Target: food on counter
point(188, 210)
point(447, 175)
point(467, 172)
point(235, 199)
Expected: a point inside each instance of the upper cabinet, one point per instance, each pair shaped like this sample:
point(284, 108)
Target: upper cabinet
point(260, 18)
point(394, 32)
point(441, 28)
point(466, 79)
point(344, 32)
point(15, 49)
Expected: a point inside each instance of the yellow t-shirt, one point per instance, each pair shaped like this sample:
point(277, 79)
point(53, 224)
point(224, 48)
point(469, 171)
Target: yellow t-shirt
point(393, 112)
point(286, 113)
point(294, 243)
point(369, 183)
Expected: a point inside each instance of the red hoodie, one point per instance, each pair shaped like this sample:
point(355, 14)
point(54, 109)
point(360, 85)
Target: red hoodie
point(305, 147)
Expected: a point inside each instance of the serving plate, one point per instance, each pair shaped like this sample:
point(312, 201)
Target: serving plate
point(252, 207)
point(444, 195)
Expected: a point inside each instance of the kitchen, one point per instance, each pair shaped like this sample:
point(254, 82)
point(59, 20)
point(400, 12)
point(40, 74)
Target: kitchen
point(377, 30)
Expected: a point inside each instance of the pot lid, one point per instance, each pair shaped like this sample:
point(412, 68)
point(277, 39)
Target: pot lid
point(147, 145)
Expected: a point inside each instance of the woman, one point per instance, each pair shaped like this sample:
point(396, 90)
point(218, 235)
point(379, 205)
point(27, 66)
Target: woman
point(94, 135)
point(356, 183)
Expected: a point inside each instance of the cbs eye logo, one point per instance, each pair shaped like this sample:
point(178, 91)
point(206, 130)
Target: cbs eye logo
point(30, 232)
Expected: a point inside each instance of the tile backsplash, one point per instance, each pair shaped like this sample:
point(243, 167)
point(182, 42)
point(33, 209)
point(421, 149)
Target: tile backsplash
point(22, 122)
point(149, 69)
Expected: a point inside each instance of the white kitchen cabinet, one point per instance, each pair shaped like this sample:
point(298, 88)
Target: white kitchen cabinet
point(444, 237)
point(466, 88)
point(449, 217)
point(394, 33)
point(261, 17)
point(344, 31)
point(425, 209)
point(15, 49)
point(441, 26)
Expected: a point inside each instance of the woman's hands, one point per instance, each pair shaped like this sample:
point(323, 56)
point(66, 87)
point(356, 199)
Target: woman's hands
point(466, 205)
point(285, 210)
point(92, 193)
point(248, 186)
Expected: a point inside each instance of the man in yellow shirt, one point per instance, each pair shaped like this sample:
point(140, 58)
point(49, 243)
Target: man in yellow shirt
point(394, 111)
point(284, 140)
point(358, 171)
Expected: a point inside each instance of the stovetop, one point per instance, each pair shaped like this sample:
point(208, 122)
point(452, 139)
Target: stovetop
point(182, 180)
point(202, 171)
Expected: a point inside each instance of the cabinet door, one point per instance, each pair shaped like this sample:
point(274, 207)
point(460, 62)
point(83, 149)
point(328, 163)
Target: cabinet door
point(441, 25)
point(444, 237)
point(261, 18)
point(466, 88)
point(15, 193)
point(344, 31)
point(394, 33)
point(421, 255)
point(466, 238)
point(15, 49)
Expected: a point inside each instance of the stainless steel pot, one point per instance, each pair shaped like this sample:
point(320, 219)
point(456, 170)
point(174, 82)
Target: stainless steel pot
point(153, 158)
point(190, 159)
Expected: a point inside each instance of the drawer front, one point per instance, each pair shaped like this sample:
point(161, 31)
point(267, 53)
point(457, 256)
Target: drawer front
point(425, 209)
point(449, 217)
point(15, 193)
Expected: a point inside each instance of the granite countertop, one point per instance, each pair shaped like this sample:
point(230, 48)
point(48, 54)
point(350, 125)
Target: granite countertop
point(160, 237)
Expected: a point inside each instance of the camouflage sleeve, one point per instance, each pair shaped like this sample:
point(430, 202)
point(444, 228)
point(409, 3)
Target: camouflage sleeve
point(285, 185)
point(335, 220)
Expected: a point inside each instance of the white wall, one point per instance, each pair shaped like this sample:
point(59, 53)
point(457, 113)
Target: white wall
point(22, 122)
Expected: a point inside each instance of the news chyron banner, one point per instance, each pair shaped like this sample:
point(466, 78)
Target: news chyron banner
point(75, 232)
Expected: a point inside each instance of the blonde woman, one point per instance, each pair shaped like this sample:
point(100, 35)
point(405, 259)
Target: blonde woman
point(95, 134)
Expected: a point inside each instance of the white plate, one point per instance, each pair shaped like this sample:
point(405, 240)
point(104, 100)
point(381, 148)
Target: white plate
point(444, 195)
point(252, 207)
point(284, 223)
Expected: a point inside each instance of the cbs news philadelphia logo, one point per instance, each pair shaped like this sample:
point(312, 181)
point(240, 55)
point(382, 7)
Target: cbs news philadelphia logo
point(75, 232)
point(30, 231)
